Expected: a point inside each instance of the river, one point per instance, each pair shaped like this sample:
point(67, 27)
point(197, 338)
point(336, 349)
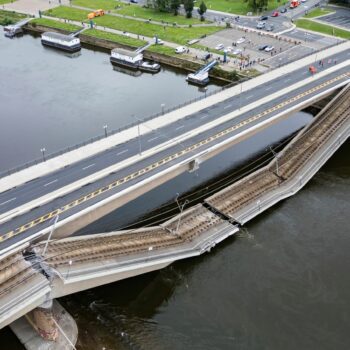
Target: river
point(282, 283)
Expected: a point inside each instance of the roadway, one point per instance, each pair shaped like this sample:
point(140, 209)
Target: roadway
point(69, 204)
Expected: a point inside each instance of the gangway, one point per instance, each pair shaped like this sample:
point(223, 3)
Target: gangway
point(77, 32)
point(201, 77)
point(143, 48)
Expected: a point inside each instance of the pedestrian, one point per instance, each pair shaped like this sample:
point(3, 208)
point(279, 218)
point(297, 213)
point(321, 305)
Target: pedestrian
point(335, 61)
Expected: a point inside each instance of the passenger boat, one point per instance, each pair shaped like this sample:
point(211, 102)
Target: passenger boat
point(12, 30)
point(198, 78)
point(61, 41)
point(126, 58)
point(150, 67)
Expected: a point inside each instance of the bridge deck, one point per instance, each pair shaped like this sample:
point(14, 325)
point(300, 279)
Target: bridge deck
point(234, 200)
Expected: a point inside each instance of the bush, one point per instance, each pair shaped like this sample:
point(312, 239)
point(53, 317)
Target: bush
point(7, 21)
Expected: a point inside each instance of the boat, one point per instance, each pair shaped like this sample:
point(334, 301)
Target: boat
point(198, 78)
point(126, 58)
point(12, 30)
point(150, 67)
point(61, 41)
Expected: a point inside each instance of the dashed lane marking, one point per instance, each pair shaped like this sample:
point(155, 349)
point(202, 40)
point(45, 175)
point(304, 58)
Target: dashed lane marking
point(50, 183)
point(10, 200)
point(88, 166)
point(167, 159)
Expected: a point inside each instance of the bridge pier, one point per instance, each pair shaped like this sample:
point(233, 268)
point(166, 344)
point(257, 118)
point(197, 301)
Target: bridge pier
point(49, 326)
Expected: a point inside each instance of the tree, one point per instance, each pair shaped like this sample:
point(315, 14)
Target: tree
point(188, 5)
point(162, 5)
point(202, 10)
point(174, 6)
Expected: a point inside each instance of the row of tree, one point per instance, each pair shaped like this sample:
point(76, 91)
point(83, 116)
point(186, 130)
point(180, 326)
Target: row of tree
point(174, 5)
point(258, 4)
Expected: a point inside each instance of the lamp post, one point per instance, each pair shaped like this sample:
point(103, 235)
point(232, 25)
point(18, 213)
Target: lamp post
point(162, 106)
point(276, 157)
point(105, 127)
point(181, 208)
point(42, 150)
point(138, 134)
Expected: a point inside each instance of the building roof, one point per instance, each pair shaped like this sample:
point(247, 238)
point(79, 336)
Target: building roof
point(125, 52)
point(59, 36)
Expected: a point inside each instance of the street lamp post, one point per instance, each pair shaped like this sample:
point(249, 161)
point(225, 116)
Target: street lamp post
point(105, 127)
point(42, 150)
point(162, 106)
point(138, 134)
point(276, 156)
point(181, 208)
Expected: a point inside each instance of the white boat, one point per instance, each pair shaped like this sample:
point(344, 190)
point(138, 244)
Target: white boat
point(61, 41)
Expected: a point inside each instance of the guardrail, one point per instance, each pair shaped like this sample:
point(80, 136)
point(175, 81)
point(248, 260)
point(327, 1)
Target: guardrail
point(113, 132)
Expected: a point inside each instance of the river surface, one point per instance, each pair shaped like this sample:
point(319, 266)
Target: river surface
point(282, 283)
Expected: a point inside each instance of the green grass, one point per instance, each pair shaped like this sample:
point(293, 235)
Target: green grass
point(165, 50)
point(317, 12)
point(176, 35)
point(238, 7)
point(2, 2)
point(10, 17)
point(322, 28)
point(122, 39)
point(55, 24)
point(68, 13)
point(132, 10)
point(147, 13)
point(98, 4)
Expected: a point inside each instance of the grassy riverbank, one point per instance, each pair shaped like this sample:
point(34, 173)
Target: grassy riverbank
point(142, 28)
point(10, 17)
point(55, 24)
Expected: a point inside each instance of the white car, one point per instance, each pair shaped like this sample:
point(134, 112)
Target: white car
point(260, 25)
point(237, 52)
point(180, 49)
point(228, 49)
point(303, 0)
point(269, 48)
point(240, 40)
point(219, 47)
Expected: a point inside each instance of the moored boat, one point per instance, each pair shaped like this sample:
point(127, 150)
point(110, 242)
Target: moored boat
point(61, 41)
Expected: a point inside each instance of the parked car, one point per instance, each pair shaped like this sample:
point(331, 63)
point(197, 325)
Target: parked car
point(264, 18)
point(269, 28)
point(269, 48)
point(237, 51)
point(134, 1)
point(284, 10)
point(180, 49)
point(260, 25)
point(262, 47)
point(228, 49)
point(206, 56)
point(275, 14)
point(240, 40)
point(219, 47)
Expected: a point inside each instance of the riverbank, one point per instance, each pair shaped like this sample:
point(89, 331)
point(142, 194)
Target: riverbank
point(97, 39)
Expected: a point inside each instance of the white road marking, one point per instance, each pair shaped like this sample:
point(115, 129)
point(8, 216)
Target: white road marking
point(289, 79)
point(89, 166)
point(10, 200)
point(250, 96)
point(49, 183)
point(118, 154)
point(227, 106)
point(153, 138)
point(268, 88)
point(204, 116)
point(180, 127)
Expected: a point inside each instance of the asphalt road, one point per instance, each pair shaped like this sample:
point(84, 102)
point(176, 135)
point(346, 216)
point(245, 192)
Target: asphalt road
point(39, 187)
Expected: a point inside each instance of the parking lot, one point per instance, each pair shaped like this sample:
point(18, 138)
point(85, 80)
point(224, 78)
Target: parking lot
point(341, 17)
point(284, 49)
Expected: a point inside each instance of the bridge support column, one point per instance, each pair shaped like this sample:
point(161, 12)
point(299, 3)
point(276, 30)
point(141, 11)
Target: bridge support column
point(42, 319)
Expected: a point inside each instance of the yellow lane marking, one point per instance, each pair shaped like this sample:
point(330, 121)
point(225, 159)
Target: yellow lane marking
point(165, 160)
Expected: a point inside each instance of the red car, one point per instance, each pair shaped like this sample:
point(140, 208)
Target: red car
point(275, 14)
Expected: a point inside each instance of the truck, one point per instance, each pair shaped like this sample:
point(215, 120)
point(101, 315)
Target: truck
point(294, 4)
point(96, 13)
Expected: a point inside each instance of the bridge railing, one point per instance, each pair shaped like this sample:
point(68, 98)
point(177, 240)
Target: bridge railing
point(115, 131)
point(112, 132)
